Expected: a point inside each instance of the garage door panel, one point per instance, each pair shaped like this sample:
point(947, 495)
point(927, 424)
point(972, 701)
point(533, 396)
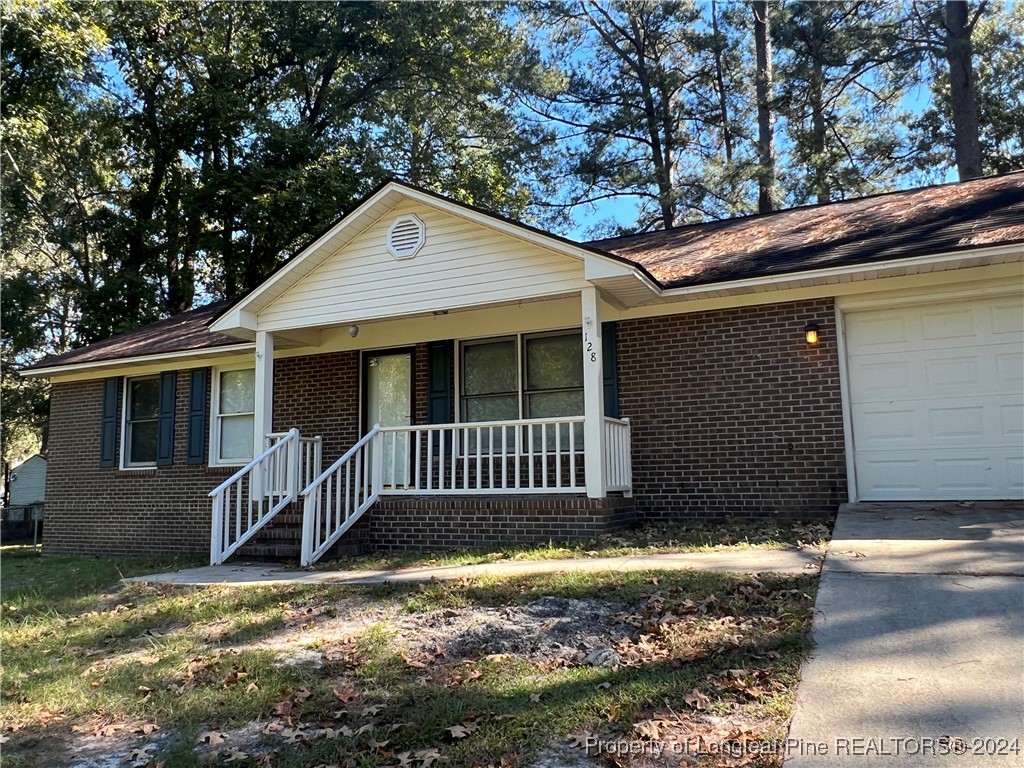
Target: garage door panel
point(936, 423)
point(918, 375)
point(892, 477)
point(1005, 317)
point(930, 475)
point(1011, 421)
point(878, 332)
point(1015, 475)
point(957, 423)
point(955, 322)
point(1009, 370)
point(937, 400)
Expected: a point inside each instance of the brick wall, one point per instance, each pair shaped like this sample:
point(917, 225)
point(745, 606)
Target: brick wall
point(733, 413)
point(96, 510)
point(445, 522)
point(319, 394)
point(166, 510)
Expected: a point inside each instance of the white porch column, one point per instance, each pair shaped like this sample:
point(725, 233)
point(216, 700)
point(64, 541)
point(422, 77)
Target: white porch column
point(593, 394)
point(263, 417)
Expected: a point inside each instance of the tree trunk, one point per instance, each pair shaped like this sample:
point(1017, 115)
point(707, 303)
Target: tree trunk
point(723, 102)
point(815, 98)
point(765, 113)
point(963, 93)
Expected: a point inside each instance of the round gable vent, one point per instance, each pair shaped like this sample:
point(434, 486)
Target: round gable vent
point(406, 236)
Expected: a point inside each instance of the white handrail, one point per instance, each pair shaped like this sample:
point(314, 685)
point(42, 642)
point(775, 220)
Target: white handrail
point(338, 497)
point(256, 493)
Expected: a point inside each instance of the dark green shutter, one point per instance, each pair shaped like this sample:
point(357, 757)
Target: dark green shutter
point(439, 393)
point(197, 416)
point(609, 342)
point(439, 380)
point(165, 423)
point(108, 433)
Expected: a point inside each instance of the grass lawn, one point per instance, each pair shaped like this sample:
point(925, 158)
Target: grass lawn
point(480, 672)
point(732, 535)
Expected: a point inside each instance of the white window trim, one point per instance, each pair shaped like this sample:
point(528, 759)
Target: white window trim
point(214, 459)
point(125, 465)
point(522, 392)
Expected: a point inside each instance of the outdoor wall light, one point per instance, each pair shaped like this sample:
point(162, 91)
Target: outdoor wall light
point(353, 331)
point(811, 333)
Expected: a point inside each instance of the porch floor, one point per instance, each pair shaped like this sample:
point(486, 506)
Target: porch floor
point(747, 561)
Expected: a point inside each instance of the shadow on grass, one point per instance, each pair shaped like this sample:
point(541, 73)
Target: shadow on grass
point(44, 671)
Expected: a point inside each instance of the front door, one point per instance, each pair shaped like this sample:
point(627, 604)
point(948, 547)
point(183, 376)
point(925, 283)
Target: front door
point(389, 393)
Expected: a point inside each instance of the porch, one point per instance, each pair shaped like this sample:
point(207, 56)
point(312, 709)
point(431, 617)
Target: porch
point(423, 432)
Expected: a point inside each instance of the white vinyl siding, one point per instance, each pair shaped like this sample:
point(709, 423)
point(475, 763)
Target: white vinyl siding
point(459, 265)
point(28, 482)
point(936, 400)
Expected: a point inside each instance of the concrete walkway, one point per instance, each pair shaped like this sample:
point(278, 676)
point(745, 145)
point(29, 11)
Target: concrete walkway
point(742, 561)
point(919, 641)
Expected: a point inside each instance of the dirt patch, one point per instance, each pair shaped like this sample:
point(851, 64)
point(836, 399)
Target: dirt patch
point(544, 630)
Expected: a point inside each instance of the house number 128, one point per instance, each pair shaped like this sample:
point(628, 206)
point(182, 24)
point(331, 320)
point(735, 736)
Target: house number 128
point(591, 354)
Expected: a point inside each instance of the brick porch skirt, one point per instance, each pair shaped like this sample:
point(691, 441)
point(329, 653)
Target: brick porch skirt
point(449, 522)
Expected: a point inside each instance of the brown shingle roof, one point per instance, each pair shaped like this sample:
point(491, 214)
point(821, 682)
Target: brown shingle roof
point(181, 333)
point(915, 222)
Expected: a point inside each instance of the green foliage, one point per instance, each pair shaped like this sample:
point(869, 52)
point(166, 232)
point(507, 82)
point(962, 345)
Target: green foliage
point(998, 43)
point(842, 78)
point(158, 154)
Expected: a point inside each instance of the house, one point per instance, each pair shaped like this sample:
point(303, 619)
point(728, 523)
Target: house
point(27, 482)
point(26, 486)
point(426, 374)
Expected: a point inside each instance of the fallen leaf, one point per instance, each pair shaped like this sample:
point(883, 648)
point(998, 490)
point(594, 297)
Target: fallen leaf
point(696, 699)
point(535, 697)
point(284, 708)
point(462, 730)
point(141, 755)
point(211, 737)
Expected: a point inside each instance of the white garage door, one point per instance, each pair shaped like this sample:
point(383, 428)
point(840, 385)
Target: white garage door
point(937, 400)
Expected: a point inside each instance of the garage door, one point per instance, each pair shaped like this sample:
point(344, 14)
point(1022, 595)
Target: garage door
point(937, 400)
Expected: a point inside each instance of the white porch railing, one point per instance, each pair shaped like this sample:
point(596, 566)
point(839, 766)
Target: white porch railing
point(339, 496)
point(492, 457)
point(618, 456)
point(251, 497)
point(479, 458)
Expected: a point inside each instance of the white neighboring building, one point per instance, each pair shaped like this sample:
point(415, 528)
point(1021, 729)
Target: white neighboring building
point(27, 486)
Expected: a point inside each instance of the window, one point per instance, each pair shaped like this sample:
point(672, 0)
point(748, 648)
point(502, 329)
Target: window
point(529, 376)
point(141, 421)
point(234, 398)
point(490, 380)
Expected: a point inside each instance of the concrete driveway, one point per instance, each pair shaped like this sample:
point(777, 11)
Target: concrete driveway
point(919, 635)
